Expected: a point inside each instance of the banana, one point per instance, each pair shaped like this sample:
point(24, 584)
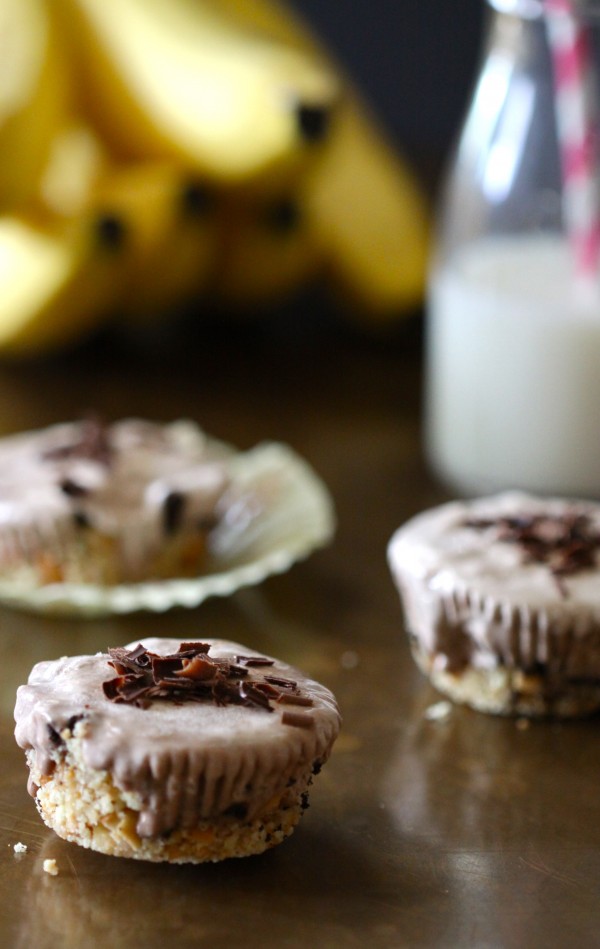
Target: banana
point(207, 151)
point(172, 79)
point(363, 204)
point(57, 282)
point(169, 216)
point(77, 162)
point(266, 252)
point(358, 219)
point(33, 96)
point(371, 218)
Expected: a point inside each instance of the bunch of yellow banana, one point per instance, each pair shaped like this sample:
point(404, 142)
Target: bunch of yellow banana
point(153, 151)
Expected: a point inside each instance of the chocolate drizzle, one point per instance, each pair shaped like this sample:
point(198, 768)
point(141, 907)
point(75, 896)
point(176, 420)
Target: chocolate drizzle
point(191, 675)
point(566, 543)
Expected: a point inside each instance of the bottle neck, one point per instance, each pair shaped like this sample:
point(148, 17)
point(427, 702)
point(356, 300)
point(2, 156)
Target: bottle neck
point(514, 43)
point(528, 9)
point(534, 9)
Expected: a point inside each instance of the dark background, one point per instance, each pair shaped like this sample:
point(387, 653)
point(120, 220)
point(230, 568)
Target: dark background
point(415, 60)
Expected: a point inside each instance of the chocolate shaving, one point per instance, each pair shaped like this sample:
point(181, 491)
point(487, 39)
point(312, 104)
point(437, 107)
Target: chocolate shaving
point(255, 660)
point(566, 544)
point(193, 648)
point(72, 489)
point(254, 695)
point(269, 690)
point(139, 654)
point(281, 682)
point(92, 442)
point(123, 660)
point(299, 719)
point(53, 735)
point(192, 675)
point(237, 671)
point(173, 509)
point(200, 667)
point(290, 699)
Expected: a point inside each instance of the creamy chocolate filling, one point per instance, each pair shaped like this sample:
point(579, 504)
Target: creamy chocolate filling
point(509, 581)
point(136, 482)
point(187, 760)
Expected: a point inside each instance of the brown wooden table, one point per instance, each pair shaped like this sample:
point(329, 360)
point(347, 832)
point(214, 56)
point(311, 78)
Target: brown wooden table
point(472, 831)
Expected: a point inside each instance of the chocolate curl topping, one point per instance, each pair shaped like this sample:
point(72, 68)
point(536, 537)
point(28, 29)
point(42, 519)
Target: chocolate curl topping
point(200, 667)
point(191, 675)
point(566, 544)
point(255, 660)
point(92, 442)
point(194, 648)
point(298, 719)
point(72, 489)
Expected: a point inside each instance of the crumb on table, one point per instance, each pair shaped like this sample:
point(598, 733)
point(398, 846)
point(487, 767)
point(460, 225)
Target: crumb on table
point(51, 867)
point(438, 712)
point(20, 848)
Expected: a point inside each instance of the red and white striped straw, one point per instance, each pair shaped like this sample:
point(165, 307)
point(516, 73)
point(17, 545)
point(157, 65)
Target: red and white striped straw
point(575, 111)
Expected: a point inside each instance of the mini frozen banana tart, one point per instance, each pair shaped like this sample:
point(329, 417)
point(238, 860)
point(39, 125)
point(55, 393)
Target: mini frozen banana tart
point(169, 751)
point(501, 597)
point(97, 518)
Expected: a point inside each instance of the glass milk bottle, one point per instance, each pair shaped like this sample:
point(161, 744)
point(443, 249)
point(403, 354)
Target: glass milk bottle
point(513, 330)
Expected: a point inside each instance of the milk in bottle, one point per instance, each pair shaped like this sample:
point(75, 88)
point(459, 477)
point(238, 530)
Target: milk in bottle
point(513, 339)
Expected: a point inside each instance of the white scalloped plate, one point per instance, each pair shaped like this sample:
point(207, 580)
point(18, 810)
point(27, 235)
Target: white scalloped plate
point(294, 516)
